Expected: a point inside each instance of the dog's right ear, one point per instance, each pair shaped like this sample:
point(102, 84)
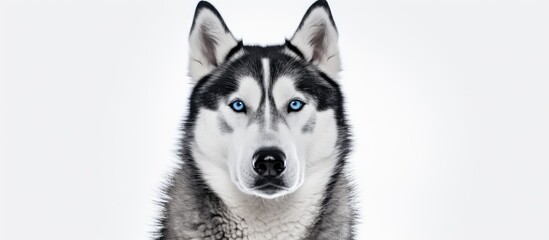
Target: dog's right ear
point(210, 41)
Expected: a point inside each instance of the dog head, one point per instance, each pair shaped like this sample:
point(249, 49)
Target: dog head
point(265, 117)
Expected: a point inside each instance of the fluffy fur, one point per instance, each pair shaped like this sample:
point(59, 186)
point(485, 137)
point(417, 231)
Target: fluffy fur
point(218, 193)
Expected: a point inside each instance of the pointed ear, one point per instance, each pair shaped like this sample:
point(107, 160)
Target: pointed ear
point(210, 41)
point(316, 38)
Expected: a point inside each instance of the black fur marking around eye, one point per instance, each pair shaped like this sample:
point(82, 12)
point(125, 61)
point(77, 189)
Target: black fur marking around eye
point(308, 80)
point(224, 81)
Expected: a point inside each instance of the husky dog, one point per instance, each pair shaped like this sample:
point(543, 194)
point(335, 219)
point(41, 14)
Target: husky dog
point(265, 139)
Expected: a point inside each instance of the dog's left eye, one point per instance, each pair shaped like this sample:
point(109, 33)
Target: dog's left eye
point(238, 106)
point(295, 106)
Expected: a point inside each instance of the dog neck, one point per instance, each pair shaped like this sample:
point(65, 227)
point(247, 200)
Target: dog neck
point(287, 217)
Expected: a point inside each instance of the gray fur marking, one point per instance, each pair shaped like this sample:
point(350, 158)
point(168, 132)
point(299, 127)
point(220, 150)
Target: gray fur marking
point(224, 126)
point(309, 125)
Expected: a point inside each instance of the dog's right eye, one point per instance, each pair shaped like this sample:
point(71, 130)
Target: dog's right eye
point(238, 106)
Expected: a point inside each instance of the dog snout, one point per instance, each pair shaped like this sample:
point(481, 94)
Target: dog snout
point(269, 162)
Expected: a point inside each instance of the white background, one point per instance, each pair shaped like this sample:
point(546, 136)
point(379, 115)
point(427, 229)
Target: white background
point(449, 101)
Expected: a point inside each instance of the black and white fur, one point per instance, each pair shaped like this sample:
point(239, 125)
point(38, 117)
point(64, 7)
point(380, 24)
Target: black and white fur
point(215, 193)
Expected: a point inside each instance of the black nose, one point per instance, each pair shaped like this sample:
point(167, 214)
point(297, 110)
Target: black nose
point(269, 162)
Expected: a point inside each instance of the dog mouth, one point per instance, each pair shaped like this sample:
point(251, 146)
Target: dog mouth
point(270, 186)
point(269, 182)
point(270, 189)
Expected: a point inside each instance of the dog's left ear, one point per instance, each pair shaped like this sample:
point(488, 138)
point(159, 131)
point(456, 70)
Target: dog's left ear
point(210, 41)
point(316, 38)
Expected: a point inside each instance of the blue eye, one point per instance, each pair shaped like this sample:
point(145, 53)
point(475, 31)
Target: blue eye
point(238, 106)
point(295, 105)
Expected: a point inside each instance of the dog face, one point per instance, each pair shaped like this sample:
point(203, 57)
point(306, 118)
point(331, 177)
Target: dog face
point(266, 117)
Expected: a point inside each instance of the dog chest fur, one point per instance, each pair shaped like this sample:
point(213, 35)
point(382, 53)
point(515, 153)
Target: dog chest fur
point(200, 215)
